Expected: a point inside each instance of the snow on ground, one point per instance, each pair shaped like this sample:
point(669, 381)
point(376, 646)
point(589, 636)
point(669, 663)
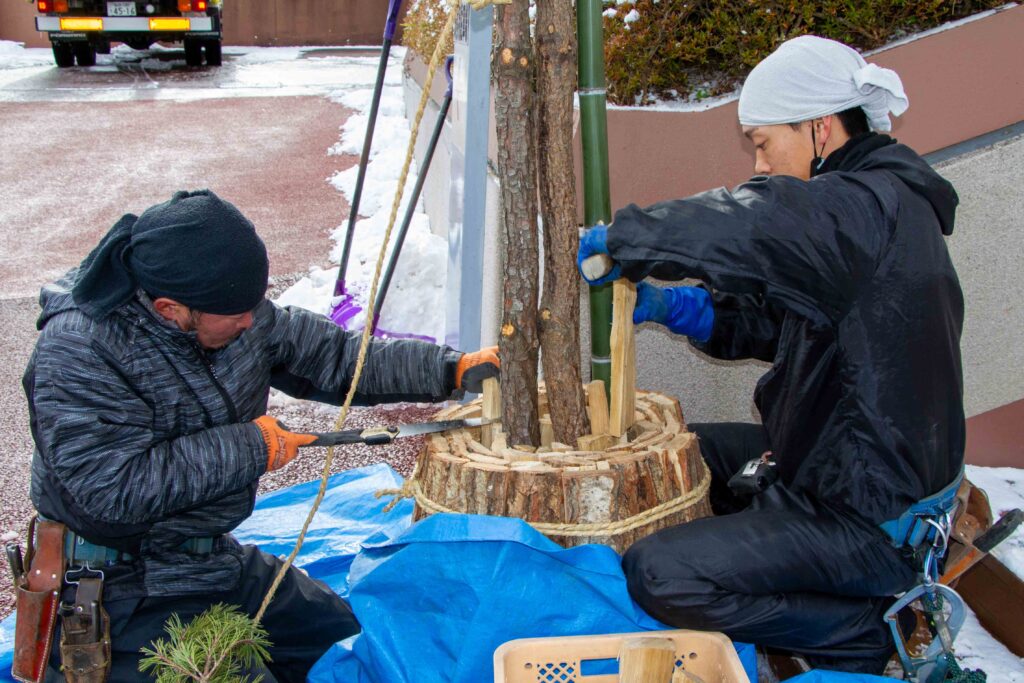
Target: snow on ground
point(16, 56)
point(975, 647)
point(1005, 489)
point(161, 73)
point(416, 301)
point(18, 62)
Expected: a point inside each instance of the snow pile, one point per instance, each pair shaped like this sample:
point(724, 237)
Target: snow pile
point(415, 301)
point(16, 56)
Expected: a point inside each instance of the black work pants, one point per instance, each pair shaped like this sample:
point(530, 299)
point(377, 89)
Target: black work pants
point(303, 621)
point(777, 569)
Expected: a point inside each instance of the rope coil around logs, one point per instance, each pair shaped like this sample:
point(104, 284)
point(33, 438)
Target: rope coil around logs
point(411, 489)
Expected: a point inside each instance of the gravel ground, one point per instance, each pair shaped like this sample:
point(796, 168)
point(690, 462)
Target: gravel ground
point(17, 320)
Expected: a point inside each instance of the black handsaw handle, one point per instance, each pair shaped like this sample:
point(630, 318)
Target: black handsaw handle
point(375, 436)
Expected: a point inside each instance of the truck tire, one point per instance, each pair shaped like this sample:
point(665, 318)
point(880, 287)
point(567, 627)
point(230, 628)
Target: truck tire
point(63, 55)
point(85, 54)
point(213, 52)
point(193, 52)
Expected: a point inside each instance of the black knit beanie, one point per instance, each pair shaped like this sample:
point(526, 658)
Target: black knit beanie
point(196, 249)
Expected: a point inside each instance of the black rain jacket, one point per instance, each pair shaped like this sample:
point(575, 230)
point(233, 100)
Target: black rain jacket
point(845, 285)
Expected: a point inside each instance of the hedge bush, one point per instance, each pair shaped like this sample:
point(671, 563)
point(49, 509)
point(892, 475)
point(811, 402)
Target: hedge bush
point(422, 26)
point(691, 49)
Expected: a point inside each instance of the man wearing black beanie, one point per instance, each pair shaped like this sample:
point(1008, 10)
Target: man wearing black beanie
point(147, 394)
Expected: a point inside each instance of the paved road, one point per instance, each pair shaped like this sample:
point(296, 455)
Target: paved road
point(79, 147)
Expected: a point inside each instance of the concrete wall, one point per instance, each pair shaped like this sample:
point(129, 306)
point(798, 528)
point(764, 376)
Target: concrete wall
point(252, 22)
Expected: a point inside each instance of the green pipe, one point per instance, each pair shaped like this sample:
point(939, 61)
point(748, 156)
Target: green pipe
point(597, 205)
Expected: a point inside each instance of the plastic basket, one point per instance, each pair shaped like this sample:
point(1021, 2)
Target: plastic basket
point(706, 657)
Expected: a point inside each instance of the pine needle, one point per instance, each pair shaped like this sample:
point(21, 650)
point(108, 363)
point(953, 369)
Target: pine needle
point(215, 647)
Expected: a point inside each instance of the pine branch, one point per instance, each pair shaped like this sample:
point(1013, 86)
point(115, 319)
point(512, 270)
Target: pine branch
point(215, 647)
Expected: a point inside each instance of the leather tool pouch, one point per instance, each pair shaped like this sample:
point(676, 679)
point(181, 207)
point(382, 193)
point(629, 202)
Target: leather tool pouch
point(38, 594)
point(85, 636)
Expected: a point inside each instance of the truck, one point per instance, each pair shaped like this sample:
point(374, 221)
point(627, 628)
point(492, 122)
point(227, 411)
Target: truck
point(79, 29)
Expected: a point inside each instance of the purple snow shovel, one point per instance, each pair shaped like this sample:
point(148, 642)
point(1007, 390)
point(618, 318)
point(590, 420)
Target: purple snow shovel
point(343, 308)
point(407, 219)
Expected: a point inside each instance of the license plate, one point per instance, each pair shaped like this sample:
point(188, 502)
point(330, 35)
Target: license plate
point(120, 9)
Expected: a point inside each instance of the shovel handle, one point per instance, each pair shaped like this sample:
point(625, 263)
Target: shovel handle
point(389, 27)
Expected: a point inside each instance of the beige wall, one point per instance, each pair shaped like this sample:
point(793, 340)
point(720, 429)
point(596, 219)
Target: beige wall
point(961, 83)
point(252, 22)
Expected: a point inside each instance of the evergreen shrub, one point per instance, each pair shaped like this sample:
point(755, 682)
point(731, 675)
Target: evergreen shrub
point(692, 49)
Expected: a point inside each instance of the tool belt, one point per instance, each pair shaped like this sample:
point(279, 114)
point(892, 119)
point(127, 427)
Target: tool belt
point(85, 632)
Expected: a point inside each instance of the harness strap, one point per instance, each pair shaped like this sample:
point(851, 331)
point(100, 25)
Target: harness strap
point(911, 529)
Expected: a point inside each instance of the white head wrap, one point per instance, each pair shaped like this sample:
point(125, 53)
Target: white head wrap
point(808, 77)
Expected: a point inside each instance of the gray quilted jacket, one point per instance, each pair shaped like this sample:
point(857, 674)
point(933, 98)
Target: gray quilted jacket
point(144, 440)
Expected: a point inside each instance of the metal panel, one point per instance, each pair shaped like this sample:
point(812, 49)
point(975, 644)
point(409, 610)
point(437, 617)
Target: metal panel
point(470, 115)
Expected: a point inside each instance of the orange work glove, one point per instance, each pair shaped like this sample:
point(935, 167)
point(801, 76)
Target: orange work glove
point(282, 445)
point(474, 368)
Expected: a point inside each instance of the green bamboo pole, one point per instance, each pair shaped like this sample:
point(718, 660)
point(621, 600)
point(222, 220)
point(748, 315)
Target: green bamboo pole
point(597, 205)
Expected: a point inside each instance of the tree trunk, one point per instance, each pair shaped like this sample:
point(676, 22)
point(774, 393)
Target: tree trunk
point(560, 303)
point(513, 69)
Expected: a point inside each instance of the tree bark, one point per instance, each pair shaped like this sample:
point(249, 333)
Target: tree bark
point(560, 302)
point(514, 72)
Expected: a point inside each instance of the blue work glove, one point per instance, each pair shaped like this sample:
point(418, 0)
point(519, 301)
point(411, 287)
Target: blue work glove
point(684, 310)
point(592, 259)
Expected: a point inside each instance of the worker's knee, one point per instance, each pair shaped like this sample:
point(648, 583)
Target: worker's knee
point(638, 575)
point(670, 591)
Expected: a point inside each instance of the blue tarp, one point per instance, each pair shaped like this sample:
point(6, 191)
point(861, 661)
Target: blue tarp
point(349, 514)
point(437, 598)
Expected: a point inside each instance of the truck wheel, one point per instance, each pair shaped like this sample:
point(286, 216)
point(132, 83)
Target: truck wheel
point(85, 54)
point(193, 52)
point(63, 55)
point(213, 53)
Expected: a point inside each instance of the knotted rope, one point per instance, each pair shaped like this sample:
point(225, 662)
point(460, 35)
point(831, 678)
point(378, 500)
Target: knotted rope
point(411, 489)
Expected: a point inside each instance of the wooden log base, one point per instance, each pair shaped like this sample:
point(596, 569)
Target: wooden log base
point(604, 489)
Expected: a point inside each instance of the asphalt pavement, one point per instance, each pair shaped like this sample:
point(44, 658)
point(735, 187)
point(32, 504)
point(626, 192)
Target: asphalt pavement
point(80, 147)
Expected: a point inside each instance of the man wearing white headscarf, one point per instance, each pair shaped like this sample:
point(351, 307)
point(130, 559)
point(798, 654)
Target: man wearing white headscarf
point(831, 265)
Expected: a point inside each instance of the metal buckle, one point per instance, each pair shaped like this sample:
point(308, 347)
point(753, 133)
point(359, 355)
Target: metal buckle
point(81, 572)
point(71, 578)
